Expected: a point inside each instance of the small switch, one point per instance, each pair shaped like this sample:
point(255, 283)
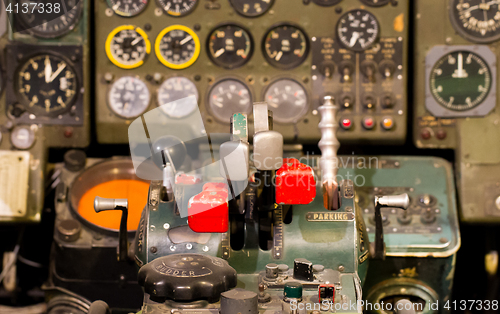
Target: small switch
point(292, 291)
point(368, 123)
point(346, 124)
point(326, 292)
point(387, 123)
point(272, 271)
point(303, 269)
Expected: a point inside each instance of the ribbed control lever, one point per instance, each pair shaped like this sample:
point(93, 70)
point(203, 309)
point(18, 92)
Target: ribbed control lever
point(329, 145)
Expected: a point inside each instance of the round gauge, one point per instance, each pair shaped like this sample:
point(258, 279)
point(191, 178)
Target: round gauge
point(376, 3)
point(173, 89)
point(287, 99)
point(52, 22)
point(230, 46)
point(22, 137)
point(46, 84)
point(285, 46)
point(127, 8)
point(358, 30)
point(177, 47)
point(460, 80)
point(476, 20)
point(228, 97)
point(128, 97)
point(327, 3)
point(178, 7)
point(251, 8)
point(127, 46)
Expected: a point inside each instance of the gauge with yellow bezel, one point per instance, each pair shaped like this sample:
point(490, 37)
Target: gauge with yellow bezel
point(177, 47)
point(127, 46)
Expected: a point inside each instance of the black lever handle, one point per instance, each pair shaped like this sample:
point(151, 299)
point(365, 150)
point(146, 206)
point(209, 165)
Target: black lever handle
point(104, 204)
point(399, 201)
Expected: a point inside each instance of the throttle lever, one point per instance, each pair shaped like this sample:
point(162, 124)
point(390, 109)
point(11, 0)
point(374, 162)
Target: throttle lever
point(105, 204)
point(398, 201)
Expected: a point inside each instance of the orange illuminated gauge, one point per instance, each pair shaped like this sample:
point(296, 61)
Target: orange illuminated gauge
point(134, 190)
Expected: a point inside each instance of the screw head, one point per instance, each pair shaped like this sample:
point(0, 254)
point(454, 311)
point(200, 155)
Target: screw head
point(166, 226)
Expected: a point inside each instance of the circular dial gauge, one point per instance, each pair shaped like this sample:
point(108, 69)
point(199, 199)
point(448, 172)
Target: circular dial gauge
point(326, 3)
point(251, 8)
point(177, 47)
point(375, 3)
point(173, 89)
point(285, 46)
point(127, 46)
point(287, 99)
point(460, 80)
point(51, 23)
point(128, 97)
point(230, 46)
point(127, 7)
point(228, 97)
point(178, 7)
point(476, 20)
point(358, 30)
point(46, 85)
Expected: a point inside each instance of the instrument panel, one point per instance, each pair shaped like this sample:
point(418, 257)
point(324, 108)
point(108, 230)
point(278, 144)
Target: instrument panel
point(233, 53)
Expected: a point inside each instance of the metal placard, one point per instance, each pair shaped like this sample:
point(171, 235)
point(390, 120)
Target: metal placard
point(14, 174)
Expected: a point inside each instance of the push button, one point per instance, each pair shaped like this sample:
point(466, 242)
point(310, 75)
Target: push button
point(387, 123)
point(368, 123)
point(346, 124)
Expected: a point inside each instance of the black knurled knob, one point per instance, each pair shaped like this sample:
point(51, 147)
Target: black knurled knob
point(186, 278)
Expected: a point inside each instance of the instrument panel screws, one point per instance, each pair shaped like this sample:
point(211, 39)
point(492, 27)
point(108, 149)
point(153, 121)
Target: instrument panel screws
point(197, 77)
point(189, 246)
point(147, 27)
point(108, 77)
point(338, 10)
point(197, 27)
point(108, 12)
point(443, 240)
point(158, 12)
point(172, 248)
point(166, 226)
point(154, 249)
point(341, 268)
point(205, 248)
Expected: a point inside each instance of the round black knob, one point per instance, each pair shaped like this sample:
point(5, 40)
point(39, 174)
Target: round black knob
point(74, 160)
point(186, 278)
point(169, 146)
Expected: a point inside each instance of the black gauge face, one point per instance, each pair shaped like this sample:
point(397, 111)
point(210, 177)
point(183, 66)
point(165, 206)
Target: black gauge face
point(173, 89)
point(177, 47)
point(230, 46)
point(178, 7)
point(127, 46)
point(228, 97)
point(285, 46)
point(287, 99)
point(127, 7)
point(358, 30)
point(375, 3)
point(476, 20)
point(47, 21)
point(46, 85)
point(326, 3)
point(460, 80)
point(128, 97)
point(251, 8)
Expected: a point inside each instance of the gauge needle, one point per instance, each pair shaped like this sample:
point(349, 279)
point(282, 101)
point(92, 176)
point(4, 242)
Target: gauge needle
point(137, 40)
point(354, 38)
point(185, 40)
point(219, 52)
point(460, 72)
point(56, 73)
point(48, 70)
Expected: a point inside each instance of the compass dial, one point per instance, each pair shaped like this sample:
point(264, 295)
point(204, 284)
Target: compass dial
point(460, 80)
point(358, 30)
point(476, 20)
point(177, 47)
point(127, 46)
